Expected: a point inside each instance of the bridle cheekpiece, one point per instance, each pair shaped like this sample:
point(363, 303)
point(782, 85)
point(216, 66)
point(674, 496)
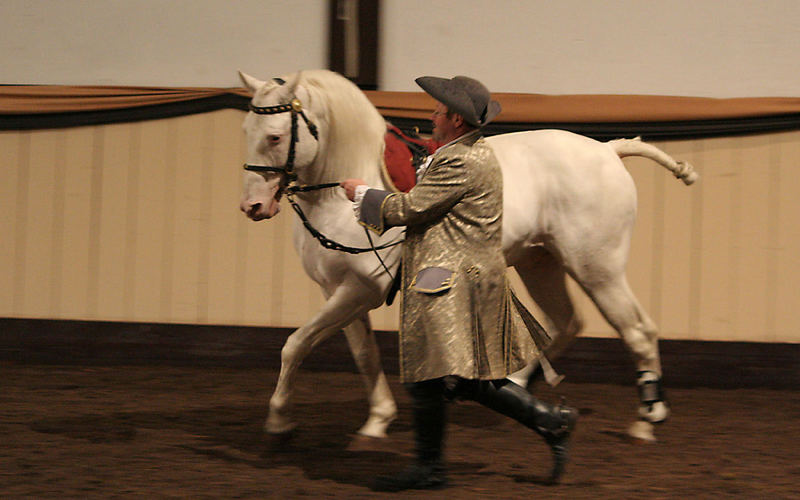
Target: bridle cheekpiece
point(295, 107)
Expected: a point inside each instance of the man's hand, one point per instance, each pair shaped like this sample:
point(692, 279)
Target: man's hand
point(349, 186)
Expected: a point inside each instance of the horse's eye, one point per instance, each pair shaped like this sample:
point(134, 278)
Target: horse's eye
point(273, 139)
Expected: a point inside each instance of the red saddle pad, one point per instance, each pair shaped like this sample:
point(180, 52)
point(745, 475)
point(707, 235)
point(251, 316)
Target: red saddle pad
point(403, 154)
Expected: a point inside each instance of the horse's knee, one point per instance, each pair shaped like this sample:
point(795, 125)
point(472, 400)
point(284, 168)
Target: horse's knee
point(294, 349)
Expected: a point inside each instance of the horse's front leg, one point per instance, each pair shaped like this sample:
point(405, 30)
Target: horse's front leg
point(382, 408)
point(341, 308)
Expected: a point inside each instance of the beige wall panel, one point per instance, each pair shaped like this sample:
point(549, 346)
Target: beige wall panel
point(676, 257)
point(721, 221)
point(57, 230)
point(132, 222)
point(264, 262)
point(784, 239)
point(752, 269)
point(114, 221)
point(140, 222)
point(786, 293)
point(74, 275)
point(224, 292)
point(152, 266)
point(37, 256)
point(21, 228)
point(191, 172)
point(13, 167)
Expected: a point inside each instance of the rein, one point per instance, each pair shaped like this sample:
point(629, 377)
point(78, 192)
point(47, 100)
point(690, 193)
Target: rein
point(324, 240)
point(289, 181)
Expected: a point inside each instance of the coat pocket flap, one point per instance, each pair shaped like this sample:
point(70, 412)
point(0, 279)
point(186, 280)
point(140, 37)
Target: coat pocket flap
point(432, 280)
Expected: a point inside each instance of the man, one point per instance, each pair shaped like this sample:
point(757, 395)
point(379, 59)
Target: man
point(460, 332)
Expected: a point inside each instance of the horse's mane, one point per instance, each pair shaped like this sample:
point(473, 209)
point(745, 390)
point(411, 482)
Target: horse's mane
point(355, 129)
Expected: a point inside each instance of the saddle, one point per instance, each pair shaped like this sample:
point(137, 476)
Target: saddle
point(403, 154)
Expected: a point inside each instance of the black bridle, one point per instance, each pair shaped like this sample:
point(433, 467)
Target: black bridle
point(295, 107)
point(289, 181)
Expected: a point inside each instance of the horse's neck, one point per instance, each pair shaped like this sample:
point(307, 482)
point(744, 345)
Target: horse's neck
point(368, 171)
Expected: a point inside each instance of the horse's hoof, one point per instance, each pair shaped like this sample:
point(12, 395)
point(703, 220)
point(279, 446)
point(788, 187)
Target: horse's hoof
point(378, 422)
point(654, 413)
point(375, 428)
point(274, 428)
point(641, 432)
point(373, 432)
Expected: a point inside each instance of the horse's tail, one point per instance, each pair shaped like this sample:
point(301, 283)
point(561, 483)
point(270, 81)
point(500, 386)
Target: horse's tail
point(635, 147)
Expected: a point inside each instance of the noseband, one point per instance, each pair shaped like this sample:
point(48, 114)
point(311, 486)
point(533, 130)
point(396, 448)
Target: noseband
point(295, 107)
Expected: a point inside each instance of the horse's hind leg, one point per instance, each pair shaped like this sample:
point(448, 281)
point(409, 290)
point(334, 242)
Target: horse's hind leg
point(342, 306)
point(382, 408)
point(545, 280)
point(619, 306)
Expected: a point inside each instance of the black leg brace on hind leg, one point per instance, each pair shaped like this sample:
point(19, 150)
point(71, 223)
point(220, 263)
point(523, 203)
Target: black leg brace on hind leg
point(651, 392)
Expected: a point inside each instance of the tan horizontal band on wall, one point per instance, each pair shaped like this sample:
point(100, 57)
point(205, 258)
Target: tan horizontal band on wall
point(517, 108)
point(39, 99)
point(539, 108)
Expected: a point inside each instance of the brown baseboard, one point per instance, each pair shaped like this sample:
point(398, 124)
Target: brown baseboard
point(685, 363)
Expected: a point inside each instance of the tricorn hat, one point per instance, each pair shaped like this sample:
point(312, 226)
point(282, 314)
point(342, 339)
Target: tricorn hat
point(463, 95)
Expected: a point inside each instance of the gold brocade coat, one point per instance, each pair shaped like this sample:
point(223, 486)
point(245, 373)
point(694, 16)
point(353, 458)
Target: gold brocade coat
point(457, 316)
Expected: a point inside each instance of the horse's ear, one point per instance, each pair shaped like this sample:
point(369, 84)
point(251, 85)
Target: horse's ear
point(251, 82)
point(292, 84)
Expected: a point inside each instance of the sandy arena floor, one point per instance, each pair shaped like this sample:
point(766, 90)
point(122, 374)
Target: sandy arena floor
point(166, 432)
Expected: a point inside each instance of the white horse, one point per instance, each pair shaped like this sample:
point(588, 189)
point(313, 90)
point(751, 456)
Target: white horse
point(569, 208)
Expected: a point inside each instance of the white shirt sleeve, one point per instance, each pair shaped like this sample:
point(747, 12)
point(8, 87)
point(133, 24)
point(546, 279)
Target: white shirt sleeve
point(359, 197)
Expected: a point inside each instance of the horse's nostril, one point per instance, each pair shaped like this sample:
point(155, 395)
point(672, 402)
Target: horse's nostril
point(250, 208)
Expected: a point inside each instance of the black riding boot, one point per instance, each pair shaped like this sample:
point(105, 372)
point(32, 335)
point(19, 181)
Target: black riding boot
point(553, 422)
point(429, 424)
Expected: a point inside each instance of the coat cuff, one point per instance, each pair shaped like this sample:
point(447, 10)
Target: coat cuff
point(371, 215)
point(358, 198)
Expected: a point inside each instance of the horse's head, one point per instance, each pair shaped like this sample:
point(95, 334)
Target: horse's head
point(282, 141)
point(338, 134)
